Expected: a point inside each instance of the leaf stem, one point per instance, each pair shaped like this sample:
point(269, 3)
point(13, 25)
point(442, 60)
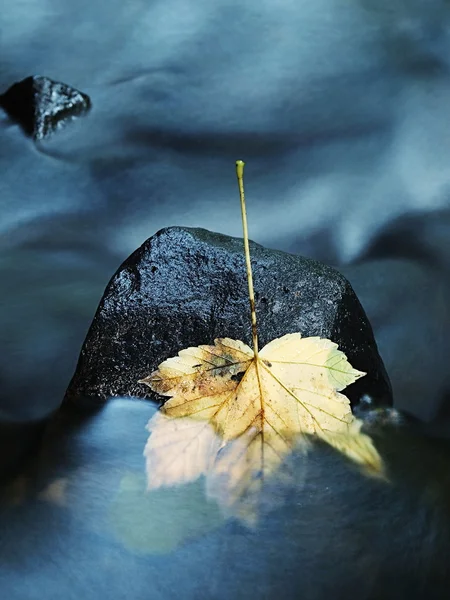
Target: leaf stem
point(240, 177)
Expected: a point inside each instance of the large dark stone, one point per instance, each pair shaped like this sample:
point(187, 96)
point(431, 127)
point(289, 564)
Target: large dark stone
point(185, 287)
point(41, 105)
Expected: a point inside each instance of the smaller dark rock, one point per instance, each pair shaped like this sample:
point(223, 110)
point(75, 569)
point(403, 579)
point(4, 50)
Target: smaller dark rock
point(185, 287)
point(41, 105)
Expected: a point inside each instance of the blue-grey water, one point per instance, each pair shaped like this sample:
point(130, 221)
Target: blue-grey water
point(340, 109)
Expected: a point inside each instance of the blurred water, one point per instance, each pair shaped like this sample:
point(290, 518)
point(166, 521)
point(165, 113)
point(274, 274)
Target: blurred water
point(341, 110)
point(80, 523)
point(339, 107)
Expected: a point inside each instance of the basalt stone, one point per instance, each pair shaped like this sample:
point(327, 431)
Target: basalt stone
point(41, 105)
point(184, 287)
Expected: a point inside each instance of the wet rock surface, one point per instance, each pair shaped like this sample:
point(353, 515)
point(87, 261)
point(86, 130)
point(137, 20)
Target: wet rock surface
point(184, 287)
point(42, 106)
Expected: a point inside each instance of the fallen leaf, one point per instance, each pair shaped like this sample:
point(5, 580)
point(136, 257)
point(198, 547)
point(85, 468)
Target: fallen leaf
point(236, 480)
point(233, 416)
point(179, 450)
point(291, 388)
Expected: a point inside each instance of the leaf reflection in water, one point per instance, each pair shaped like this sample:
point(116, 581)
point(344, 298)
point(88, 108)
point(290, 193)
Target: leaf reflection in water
point(181, 450)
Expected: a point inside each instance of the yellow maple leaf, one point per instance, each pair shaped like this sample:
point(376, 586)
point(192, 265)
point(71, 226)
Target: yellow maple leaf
point(290, 388)
point(235, 413)
point(179, 451)
point(292, 384)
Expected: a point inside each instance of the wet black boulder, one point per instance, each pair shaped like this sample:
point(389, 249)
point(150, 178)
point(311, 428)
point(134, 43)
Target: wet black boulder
point(41, 105)
point(184, 287)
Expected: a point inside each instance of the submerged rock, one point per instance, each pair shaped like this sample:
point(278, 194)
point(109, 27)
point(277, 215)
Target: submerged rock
point(41, 105)
point(184, 287)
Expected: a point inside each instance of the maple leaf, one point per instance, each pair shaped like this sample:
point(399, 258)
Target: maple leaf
point(290, 388)
point(234, 413)
point(179, 451)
